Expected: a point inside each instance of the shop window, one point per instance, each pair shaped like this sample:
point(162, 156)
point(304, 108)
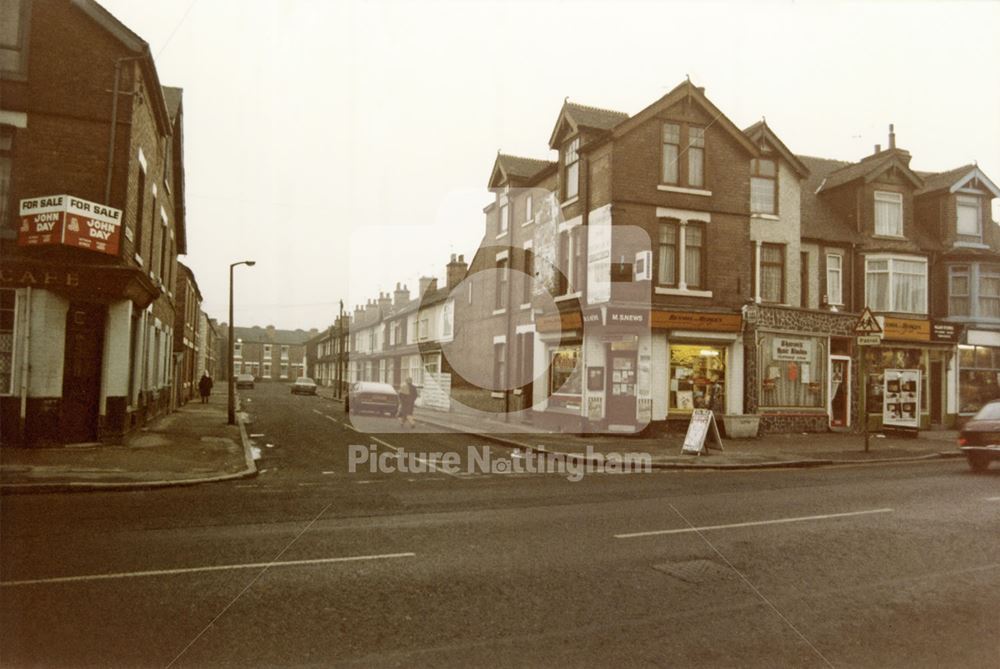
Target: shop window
point(566, 377)
point(978, 377)
point(888, 214)
point(8, 303)
point(896, 283)
point(878, 359)
point(697, 377)
point(571, 172)
point(793, 371)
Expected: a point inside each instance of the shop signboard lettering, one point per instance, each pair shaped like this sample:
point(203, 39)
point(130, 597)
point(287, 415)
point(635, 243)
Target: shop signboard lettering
point(791, 349)
point(69, 221)
point(945, 332)
point(691, 320)
point(906, 329)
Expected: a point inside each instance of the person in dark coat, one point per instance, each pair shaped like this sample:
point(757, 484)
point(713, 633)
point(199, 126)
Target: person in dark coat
point(205, 387)
point(407, 397)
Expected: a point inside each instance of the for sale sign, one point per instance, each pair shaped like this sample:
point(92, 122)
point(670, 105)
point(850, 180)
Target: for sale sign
point(70, 221)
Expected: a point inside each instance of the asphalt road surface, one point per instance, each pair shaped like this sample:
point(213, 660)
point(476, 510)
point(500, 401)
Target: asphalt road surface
point(310, 564)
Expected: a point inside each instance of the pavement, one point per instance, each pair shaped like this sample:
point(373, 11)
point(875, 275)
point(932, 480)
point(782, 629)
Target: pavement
point(191, 445)
point(664, 450)
point(195, 445)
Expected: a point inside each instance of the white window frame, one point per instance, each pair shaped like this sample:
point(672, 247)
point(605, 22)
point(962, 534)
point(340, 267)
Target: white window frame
point(889, 197)
point(835, 287)
point(892, 259)
point(969, 202)
point(571, 160)
point(965, 271)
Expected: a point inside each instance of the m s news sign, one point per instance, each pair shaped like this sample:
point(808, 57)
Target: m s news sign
point(69, 221)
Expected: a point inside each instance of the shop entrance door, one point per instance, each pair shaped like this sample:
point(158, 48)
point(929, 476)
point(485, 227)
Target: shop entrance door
point(840, 392)
point(621, 389)
point(937, 390)
point(82, 372)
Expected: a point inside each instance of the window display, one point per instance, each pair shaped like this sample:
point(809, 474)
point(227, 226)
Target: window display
point(978, 377)
point(697, 377)
point(566, 377)
point(792, 371)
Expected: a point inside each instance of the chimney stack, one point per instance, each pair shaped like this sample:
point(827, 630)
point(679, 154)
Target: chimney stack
point(878, 148)
point(892, 137)
point(427, 283)
point(384, 300)
point(456, 271)
point(400, 296)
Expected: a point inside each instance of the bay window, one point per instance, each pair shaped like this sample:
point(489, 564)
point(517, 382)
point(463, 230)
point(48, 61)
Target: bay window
point(896, 283)
point(888, 214)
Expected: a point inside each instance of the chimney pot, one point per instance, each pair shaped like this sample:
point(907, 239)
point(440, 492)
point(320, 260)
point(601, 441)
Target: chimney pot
point(878, 147)
point(892, 136)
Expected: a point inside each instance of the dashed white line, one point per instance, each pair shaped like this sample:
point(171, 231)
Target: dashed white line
point(317, 412)
point(776, 521)
point(331, 418)
point(195, 570)
point(328, 471)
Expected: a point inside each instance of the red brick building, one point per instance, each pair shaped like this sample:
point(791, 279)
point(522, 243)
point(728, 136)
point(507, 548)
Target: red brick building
point(186, 336)
point(92, 195)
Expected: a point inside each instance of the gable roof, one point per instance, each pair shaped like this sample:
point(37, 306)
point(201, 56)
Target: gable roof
point(871, 168)
point(761, 132)
point(507, 167)
point(819, 220)
point(683, 90)
point(956, 178)
point(579, 117)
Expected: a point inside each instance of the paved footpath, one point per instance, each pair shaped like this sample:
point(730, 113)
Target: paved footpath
point(191, 445)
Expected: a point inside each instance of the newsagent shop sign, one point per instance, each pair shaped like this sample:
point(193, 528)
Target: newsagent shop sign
point(69, 221)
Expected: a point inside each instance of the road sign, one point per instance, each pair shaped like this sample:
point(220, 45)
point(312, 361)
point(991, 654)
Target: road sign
point(867, 325)
point(869, 340)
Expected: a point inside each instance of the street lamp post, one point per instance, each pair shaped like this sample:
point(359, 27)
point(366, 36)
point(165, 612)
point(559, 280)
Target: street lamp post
point(232, 381)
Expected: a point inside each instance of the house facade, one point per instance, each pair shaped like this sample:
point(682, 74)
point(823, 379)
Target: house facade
point(186, 342)
point(93, 218)
point(270, 354)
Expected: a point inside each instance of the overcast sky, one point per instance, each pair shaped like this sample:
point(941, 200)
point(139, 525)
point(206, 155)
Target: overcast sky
point(347, 146)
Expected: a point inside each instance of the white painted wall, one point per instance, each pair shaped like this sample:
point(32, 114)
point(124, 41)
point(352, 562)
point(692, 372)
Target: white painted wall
point(114, 372)
point(48, 342)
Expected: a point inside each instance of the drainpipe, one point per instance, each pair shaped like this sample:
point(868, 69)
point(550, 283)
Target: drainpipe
point(25, 367)
point(114, 125)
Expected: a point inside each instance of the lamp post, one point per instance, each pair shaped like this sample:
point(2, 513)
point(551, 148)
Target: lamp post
point(232, 381)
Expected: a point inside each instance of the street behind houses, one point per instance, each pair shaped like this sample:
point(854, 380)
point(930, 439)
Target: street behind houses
point(310, 565)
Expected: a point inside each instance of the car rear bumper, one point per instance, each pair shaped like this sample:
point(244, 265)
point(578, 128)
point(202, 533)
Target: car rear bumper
point(992, 451)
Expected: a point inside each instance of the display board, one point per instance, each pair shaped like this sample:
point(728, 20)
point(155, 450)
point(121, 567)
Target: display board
point(696, 440)
point(901, 398)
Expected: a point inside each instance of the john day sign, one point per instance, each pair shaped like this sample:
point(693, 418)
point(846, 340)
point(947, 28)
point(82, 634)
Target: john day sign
point(69, 221)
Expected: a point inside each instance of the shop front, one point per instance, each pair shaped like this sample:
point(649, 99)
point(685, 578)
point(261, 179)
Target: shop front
point(906, 382)
point(978, 370)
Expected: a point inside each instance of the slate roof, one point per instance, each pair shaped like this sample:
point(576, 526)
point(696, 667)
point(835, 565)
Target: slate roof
point(934, 181)
point(520, 167)
point(873, 163)
point(259, 334)
point(594, 117)
point(172, 97)
point(819, 220)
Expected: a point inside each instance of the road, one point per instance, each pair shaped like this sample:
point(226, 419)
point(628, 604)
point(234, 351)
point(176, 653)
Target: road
point(312, 565)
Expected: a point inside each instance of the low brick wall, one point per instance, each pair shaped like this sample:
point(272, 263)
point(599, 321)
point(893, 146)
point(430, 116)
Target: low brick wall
point(781, 423)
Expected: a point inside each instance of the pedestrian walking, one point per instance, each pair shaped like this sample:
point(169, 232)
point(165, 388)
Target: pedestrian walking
point(407, 397)
point(205, 387)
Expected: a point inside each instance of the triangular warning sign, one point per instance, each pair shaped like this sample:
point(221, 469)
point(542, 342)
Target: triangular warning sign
point(867, 324)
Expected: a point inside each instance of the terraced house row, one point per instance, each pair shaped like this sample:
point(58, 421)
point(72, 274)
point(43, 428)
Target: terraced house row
point(671, 260)
point(101, 327)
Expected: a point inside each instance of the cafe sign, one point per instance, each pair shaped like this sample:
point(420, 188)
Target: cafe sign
point(65, 220)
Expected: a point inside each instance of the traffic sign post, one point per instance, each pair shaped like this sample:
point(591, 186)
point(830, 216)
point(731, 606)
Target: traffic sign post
point(868, 333)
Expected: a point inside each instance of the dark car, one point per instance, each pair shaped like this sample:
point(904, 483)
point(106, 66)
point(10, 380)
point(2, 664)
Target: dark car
point(304, 386)
point(244, 381)
point(980, 437)
point(371, 396)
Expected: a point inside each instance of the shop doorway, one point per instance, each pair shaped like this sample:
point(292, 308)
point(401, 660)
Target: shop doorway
point(937, 392)
point(82, 372)
point(621, 388)
point(840, 392)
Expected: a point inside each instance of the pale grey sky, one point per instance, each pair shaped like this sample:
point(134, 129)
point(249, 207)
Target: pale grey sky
point(315, 130)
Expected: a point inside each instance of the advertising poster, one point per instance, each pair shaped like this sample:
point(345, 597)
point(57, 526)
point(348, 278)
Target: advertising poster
point(901, 398)
point(70, 221)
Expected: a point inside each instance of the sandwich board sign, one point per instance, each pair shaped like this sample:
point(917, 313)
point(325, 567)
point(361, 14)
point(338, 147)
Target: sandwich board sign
point(702, 421)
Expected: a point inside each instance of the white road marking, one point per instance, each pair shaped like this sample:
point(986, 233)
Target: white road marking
point(993, 499)
point(329, 471)
point(351, 427)
point(195, 570)
point(256, 435)
point(776, 521)
point(369, 481)
point(418, 459)
point(317, 412)
point(331, 418)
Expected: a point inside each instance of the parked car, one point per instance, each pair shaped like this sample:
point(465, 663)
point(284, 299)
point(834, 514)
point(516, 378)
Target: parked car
point(371, 396)
point(304, 386)
point(244, 381)
point(980, 437)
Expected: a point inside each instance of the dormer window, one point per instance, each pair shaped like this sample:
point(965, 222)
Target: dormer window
point(763, 187)
point(571, 173)
point(969, 218)
point(888, 214)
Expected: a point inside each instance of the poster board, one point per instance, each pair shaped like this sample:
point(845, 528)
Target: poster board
point(696, 440)
point(901, 398)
